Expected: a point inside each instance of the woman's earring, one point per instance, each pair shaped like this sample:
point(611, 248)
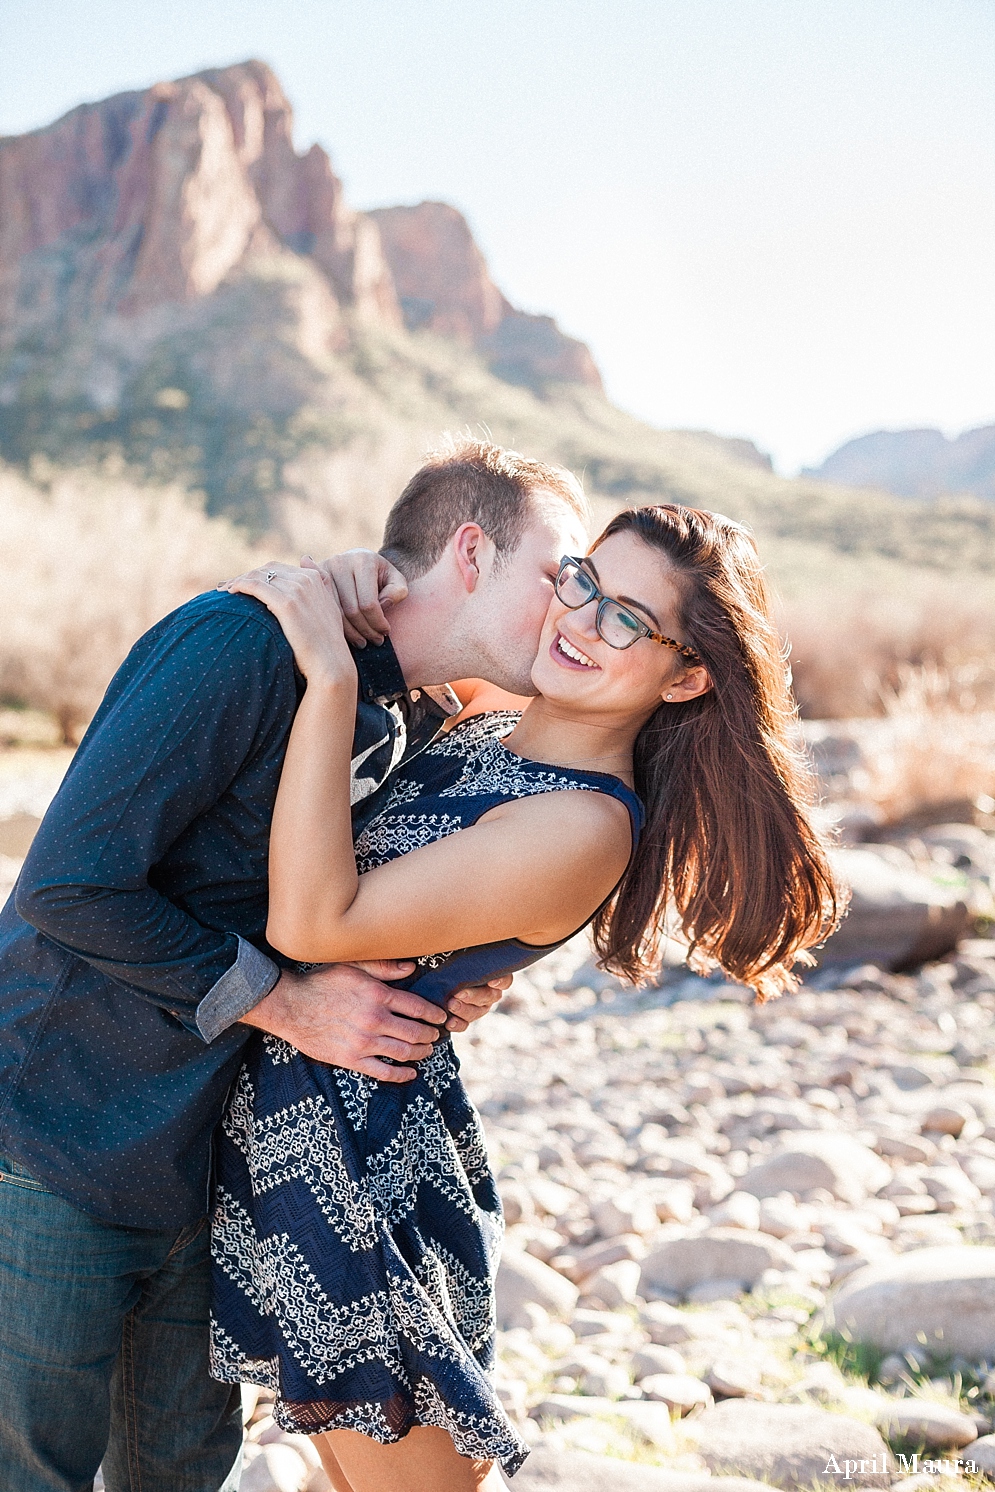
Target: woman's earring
point(670, 696)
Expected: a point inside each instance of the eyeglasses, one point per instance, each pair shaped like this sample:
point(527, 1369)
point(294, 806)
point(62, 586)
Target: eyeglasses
point(616, 624)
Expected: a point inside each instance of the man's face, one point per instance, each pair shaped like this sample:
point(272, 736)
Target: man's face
point(518, 593)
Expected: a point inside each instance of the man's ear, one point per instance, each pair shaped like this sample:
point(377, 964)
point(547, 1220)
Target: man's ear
point(473, 552)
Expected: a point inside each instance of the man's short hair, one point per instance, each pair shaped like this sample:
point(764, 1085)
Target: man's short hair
point(472, 481)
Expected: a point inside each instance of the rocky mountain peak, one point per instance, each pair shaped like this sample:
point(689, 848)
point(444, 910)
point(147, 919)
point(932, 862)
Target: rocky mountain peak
point(156, 198)
point(444, 285)
point(153, 198)
point(916, 463)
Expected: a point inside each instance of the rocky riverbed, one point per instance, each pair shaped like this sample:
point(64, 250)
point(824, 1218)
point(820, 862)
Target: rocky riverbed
point(745, 1244)
point(746, 1239)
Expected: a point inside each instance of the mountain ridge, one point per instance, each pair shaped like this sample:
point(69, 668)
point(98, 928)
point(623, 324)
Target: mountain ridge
point(915, 463)
point(184, 294)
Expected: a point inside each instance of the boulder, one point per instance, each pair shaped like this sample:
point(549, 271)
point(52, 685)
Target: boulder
point(521, 1280)
point(782, 1216)
point(739, 1210)
point(652, 1359)
point(604, 1380)
point(971, 849)
point(981, 1170)
point(649, 1422)
point(931, 1230)
point(551, 1469)
point(710, 1292)
point(516, 1203)
point(674, 1201)
point(938, 1427)
point(605, 1251)
point(943, 1298)
point(560, 1408)
point(626, 1212)
point(549, 1196)
point(950, 1189)
point(305, 1447)
point(679, 1391)
point(680, 1158)
point(819, 1160)
point(792, 1446)
point(669, 1327)
point(845, 1236)
point(733, 1378)
point(614, 1286)
point(277, 1468)
point(595, 1324)
point(983, 1455)
point(912, 1148)
point(947, 1118)
point(718, 1254)
point(897, 917)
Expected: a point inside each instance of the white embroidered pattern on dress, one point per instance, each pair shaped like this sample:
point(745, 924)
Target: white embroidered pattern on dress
point(302, 1143)
point(473, 732)
point(423, 1151)
point(494, 770)
point(355, 1089)
point(471, 1434)
point(388, 836)
point(440, 1307)
point(326, 1338)
point(278, 1050)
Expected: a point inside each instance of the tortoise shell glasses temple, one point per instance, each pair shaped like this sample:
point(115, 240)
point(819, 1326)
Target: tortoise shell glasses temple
point(599, 596)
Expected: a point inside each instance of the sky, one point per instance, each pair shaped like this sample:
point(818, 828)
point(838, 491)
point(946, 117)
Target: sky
point(770, 218)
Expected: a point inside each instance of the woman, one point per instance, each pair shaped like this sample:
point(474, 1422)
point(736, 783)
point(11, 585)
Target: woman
point(357, 1223)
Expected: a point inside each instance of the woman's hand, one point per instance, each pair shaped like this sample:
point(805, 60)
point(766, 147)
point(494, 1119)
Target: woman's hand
point(305, 603)
point(365, 583)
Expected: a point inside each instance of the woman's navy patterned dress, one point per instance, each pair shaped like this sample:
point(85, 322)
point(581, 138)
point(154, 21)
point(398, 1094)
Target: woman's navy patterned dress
point(357, 1224)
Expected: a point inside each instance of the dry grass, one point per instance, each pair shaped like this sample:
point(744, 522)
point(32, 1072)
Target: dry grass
point(90, 559)
point(88, 563)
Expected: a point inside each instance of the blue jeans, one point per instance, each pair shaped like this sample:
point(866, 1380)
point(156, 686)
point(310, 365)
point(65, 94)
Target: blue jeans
point(104, 1353)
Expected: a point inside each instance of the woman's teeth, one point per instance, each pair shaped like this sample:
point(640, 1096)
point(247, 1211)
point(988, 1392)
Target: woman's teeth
point(574, 653)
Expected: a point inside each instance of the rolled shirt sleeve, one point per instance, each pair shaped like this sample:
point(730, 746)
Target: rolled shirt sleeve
point(239, 990)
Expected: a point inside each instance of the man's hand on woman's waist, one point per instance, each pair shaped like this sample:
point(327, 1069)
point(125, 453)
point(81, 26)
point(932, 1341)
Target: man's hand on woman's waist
point(349, 1017)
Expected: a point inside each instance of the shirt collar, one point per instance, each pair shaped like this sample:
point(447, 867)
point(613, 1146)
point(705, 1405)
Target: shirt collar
point(380, 676)
point(382, 682)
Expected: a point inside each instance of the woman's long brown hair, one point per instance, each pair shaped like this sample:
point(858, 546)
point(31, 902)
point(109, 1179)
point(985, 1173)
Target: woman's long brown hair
point(728, 842)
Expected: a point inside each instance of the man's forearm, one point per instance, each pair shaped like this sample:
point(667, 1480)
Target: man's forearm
point(138, 938)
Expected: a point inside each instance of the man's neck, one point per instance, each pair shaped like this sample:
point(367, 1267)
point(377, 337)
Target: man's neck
point(419, 631)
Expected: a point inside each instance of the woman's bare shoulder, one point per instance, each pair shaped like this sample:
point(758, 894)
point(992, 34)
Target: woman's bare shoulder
point(579, 819)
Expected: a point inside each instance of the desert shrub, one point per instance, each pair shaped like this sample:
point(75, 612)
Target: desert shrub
point(935, 745)
point(87, 563)
point(855, 653)
point(337, 500)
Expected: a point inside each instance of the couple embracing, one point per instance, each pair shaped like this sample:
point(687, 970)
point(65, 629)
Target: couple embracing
point(286, 862)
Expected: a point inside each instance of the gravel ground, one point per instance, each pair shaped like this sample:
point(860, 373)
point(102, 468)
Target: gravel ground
point(624, 1122)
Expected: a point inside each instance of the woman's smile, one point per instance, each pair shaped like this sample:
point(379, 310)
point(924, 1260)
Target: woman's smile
point(568, 655)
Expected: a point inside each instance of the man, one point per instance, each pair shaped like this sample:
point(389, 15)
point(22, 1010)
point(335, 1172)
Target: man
point(133, 963)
